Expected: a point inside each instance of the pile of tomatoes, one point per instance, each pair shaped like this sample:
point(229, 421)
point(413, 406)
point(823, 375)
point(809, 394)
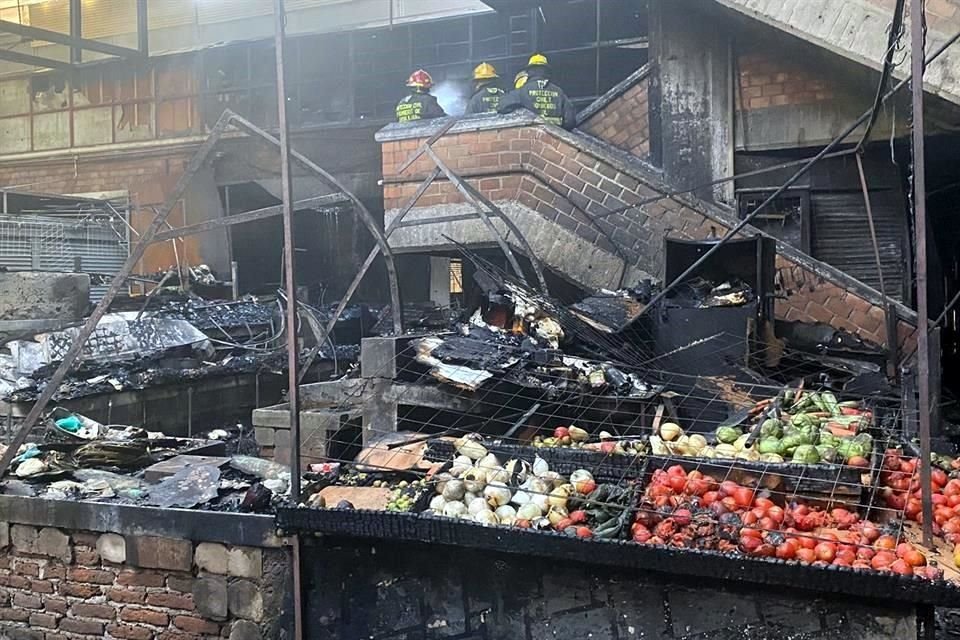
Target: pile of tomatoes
point(901, 492)
point(692, 510)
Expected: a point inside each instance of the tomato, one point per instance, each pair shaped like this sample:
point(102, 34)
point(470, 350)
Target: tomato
point(749, 519)
point(914, 558)
point(743, 497)
point(901, 567)
point(882, 560)
point(848, 556)
point(749, 544)
point(942, 514)
point(678, 483)
point(885, 543)
point(776, 514)
point(709, 498)
point(767, 524)
point(697, 486)
point(865, 553)
point(729, 503)
point(578, 517)
point(682, 517)
point(870, 531)
point(727, 487)
point(808, 542)
point(952, 488)
point(930, 573)
point(659, 490)
point(748, 532)
point(564, 524)
point(841, 562)
point(806, 556)
point(939, 477)
point(826, 551)
point(952, 525)
point(912, 508)
point(760, 513)
point(763, 503)
point(640, 533)
point(953, 500)
point(938, 499)
point(859, 462)
point(786, 551)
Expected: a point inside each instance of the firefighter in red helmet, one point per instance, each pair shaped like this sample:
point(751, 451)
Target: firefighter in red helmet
point(419, 105)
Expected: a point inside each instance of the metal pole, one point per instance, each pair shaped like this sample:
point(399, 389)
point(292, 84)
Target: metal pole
point(917, 39)
point(289, 254)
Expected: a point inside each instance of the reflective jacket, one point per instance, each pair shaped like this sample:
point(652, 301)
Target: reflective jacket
point(486, 100)
point(419, 106)
point(544, 98)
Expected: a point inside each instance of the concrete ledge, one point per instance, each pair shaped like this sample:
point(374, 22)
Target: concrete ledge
point(199, 526)
point(621, 88)
point(465, 124)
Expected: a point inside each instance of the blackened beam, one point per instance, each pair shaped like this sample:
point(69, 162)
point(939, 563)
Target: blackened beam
point(371, 257)
point(462, 217)
point(143, 28)
point(515, 230)
point(249, 216)
point(361, 210)
point(33, 61)
point(46, 35)
point(136, 254)
point(482, 214)
point(796, 176)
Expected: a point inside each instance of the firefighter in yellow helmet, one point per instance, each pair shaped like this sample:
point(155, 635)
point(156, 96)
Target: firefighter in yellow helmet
point(540, 95)
point(419, 105)
point(488, 93)
point(520, 79)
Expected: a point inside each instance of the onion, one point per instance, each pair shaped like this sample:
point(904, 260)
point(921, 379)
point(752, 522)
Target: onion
point(507, 514)
point(670, 431)
point(697, 443)
point(497, 474)
point(517, 469)
point(552, 478)
point(529, 511)
point(475, 479)
point(540, 466)
point(580, 475)
point(489, 461)
point(471, 448)
point(461, 464)
point(453, 490)
point(488, 518)
point(497, 494)
point(469, 497)
point(558, 497)
point(541, 500)
point(520, 498)
point(476, 505)
point(578, 435)
point(438, 503)
point(556, 514)
point(657, 447)
point(538, 485)
point(454, 509)
point(442, 480)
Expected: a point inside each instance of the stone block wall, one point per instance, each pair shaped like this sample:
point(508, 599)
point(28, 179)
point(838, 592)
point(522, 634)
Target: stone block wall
point(57, 584)
point(623, 118)
point(575, 181)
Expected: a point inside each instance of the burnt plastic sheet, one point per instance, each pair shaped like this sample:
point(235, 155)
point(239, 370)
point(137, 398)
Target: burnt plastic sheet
point(187, 488)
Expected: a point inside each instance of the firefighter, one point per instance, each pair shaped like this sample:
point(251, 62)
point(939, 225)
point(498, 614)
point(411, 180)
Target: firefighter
point(419, 105)
point(520, 79)
point(488, 94)
point(540, 95)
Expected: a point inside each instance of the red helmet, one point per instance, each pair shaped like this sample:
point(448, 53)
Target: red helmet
point(420, 79)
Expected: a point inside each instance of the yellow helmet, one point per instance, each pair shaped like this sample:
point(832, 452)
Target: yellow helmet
point(485, 71)
point(520, 79)
point(538, 60)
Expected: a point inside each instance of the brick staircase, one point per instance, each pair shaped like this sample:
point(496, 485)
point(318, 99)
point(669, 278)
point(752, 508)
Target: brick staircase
point(559, 188)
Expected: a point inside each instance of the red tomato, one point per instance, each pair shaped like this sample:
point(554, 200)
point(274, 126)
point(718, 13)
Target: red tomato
point(914, 558)
point(885, 543)
point(952, 525)
point(939, 477)
point(743, 496)
point(728, 487)
point(749, 519)
point(901, 567)
point(776, 514)
point(847, 556)
point(749, 544)
point(938, 499)
point(808, 542)
point(953, 500)
point(678, 483)
point(729, 503)
point(841, 562)
point(763, 503)
point(826, 551)
point(709, 498)
point(749, 532)
point(865, 553)
point(786, 551)
point(806, 556)
point(882, 560)
point(760, 513)
point(677, 470)
point(767, 524)
point(697, 486)
point(912, 508)
point(870, 531)
point(952, 488)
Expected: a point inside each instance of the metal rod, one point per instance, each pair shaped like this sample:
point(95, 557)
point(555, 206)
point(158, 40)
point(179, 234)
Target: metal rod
point(917, 40)
point(458, 182)
point(289, 253)
point(365, 216)
point(90, 325)
point(76, 30)
point(247, 216)
point(57, 37)
point(786, 185)
point(34, 61)
point(515, 230)
point(873, 231)
point(234, 285)
point(371, 257)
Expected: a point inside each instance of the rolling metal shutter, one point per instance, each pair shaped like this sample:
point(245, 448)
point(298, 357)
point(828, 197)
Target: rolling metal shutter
point(841, 236)
point(48, 243)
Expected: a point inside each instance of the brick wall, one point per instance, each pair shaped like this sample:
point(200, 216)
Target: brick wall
point(57, 584)
point(768, 80)
point(573, 182)
point(625, 121)
point(148, 179)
